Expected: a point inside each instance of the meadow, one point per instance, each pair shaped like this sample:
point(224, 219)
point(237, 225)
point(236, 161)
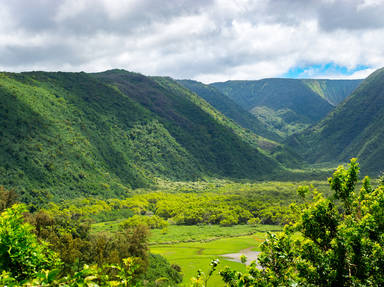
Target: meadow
point(194, 247)
point(192, 256)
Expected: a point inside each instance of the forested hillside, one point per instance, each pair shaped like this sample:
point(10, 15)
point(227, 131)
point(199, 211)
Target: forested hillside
point(334, 91)
point(71, 134)
point(287, 105)
point(230, 109)
point(355, 128)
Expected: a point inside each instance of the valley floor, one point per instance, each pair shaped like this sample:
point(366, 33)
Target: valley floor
point(191, 256)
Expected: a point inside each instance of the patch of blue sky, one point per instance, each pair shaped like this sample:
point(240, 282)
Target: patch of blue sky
point(323, 70)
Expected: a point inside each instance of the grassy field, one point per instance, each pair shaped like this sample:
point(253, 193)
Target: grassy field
point(190, 233)
point(193, 247)
point(204, 233)
point(191, 256)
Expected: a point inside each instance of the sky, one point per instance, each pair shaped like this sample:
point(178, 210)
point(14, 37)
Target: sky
point(204, 40)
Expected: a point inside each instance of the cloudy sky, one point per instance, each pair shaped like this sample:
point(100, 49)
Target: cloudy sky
point(205, 40)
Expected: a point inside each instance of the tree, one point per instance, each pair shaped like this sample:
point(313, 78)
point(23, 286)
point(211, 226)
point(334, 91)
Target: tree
point(336, 241)
point(20, 251)
point(7, 198)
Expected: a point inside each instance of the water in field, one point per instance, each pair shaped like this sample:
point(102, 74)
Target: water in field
point(235, 257)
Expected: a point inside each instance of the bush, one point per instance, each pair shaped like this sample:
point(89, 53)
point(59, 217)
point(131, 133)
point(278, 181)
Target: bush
point(152, 222)
point(21, 253)
point(337, 241)
point(159, 268)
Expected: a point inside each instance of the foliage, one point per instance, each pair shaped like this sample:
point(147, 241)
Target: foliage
point(80, 259)
point(110, 215)
point(21, 253)
point(123, 275)
point(65, 135)
point(71, 238)
point(337, 241)
point(201, 280)
point(7, 198)
point(256, 131)
point(152, 222)
point(218, 145)
point(191, 203)
point(161, 273)
point(229, 108)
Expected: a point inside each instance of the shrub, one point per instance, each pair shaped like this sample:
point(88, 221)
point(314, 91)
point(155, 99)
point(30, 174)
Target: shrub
point(21, 253)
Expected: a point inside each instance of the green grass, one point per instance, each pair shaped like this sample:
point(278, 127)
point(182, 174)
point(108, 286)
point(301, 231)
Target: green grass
point(190, 233)
point(185, 233)
point(193, 247)
point(192, 256)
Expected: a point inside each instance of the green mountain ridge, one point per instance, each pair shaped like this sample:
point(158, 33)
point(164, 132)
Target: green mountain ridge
point(265, 142)
point(78, 134)
point(334, 91)
point(230, 109)
point(354, 129)
point(288, 106)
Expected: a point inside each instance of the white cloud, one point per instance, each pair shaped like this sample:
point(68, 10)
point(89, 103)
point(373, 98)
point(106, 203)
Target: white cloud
point(204, 40)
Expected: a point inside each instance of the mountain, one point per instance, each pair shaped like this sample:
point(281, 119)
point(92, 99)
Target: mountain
point(354, 129)
point(229, 155)
point(230, 109)
point(287, 106)
point(73, 134)
point(334, 91)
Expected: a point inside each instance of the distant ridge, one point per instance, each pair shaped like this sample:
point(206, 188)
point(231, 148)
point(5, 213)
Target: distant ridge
point(354, 129)
point(288, 105)
point(230, 109)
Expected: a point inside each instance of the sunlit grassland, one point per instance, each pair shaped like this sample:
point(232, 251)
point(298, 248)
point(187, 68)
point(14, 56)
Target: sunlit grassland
point(193, 247)
point(191, 233)
point(191, 256)
point(182, 233)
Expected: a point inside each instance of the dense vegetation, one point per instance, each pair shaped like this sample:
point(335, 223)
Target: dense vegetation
point(115, 170)
point(230, 108)
point(218, 144)
point(71, 134)
point(56, 249)
point(245, 119)
point(329, 240)
point(335, 241)
point(355, 128)
point(222, 203)
point(287, 105)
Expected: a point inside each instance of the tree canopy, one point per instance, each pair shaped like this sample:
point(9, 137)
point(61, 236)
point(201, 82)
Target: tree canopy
point(336, 240)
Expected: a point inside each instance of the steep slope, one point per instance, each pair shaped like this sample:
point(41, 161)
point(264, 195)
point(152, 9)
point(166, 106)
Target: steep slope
point(287, 105)
point(354, 128)
point(229, 108)
point(71, 134)
point(334, 91)
point(286, 156)
point(221, 147)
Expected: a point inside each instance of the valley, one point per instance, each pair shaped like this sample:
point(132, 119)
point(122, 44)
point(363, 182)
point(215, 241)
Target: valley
point(166, 175)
